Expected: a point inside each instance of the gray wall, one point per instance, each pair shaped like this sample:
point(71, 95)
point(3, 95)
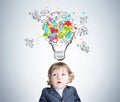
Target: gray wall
point(23, 70)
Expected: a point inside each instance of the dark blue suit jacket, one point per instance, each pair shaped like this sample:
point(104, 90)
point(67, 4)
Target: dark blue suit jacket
point(51, 95)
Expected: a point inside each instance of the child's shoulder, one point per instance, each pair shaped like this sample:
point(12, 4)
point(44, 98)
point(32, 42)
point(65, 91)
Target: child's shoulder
point(72, 88)
point(46, 88)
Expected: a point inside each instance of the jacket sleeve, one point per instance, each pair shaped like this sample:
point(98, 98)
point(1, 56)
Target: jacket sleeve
point(42, 97)
point(77, 98)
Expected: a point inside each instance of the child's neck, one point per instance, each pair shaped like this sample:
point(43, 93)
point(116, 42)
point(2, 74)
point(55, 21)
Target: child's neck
point(60, 90)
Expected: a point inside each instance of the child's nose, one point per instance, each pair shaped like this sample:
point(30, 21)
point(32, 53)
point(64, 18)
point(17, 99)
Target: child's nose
point(59, 76)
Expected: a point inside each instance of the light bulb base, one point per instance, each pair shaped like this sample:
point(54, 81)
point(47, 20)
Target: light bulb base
point(59, 55)
point(59, 48)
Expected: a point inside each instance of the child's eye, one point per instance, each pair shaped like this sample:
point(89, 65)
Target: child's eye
point(63, 74)
point(54, 74)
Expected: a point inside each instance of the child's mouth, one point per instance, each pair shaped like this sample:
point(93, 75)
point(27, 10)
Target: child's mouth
point(59, 82)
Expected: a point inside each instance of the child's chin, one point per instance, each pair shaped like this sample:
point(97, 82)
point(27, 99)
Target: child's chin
point(60, 87)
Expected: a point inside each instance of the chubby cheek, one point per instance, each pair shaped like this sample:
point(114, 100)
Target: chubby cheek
point(66, 80)
point(53, 81)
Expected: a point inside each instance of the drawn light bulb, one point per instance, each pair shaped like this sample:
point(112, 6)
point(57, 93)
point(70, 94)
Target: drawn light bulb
point(59, 31)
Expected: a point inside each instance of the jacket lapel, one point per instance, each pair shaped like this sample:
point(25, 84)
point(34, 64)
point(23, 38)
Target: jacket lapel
point(54, 92)
point(67, 91)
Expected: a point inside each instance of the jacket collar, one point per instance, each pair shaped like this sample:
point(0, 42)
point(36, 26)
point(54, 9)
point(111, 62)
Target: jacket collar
point(66, 91)
point(54, 92)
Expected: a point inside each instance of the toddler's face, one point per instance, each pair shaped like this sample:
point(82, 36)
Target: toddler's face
point(59, 78)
